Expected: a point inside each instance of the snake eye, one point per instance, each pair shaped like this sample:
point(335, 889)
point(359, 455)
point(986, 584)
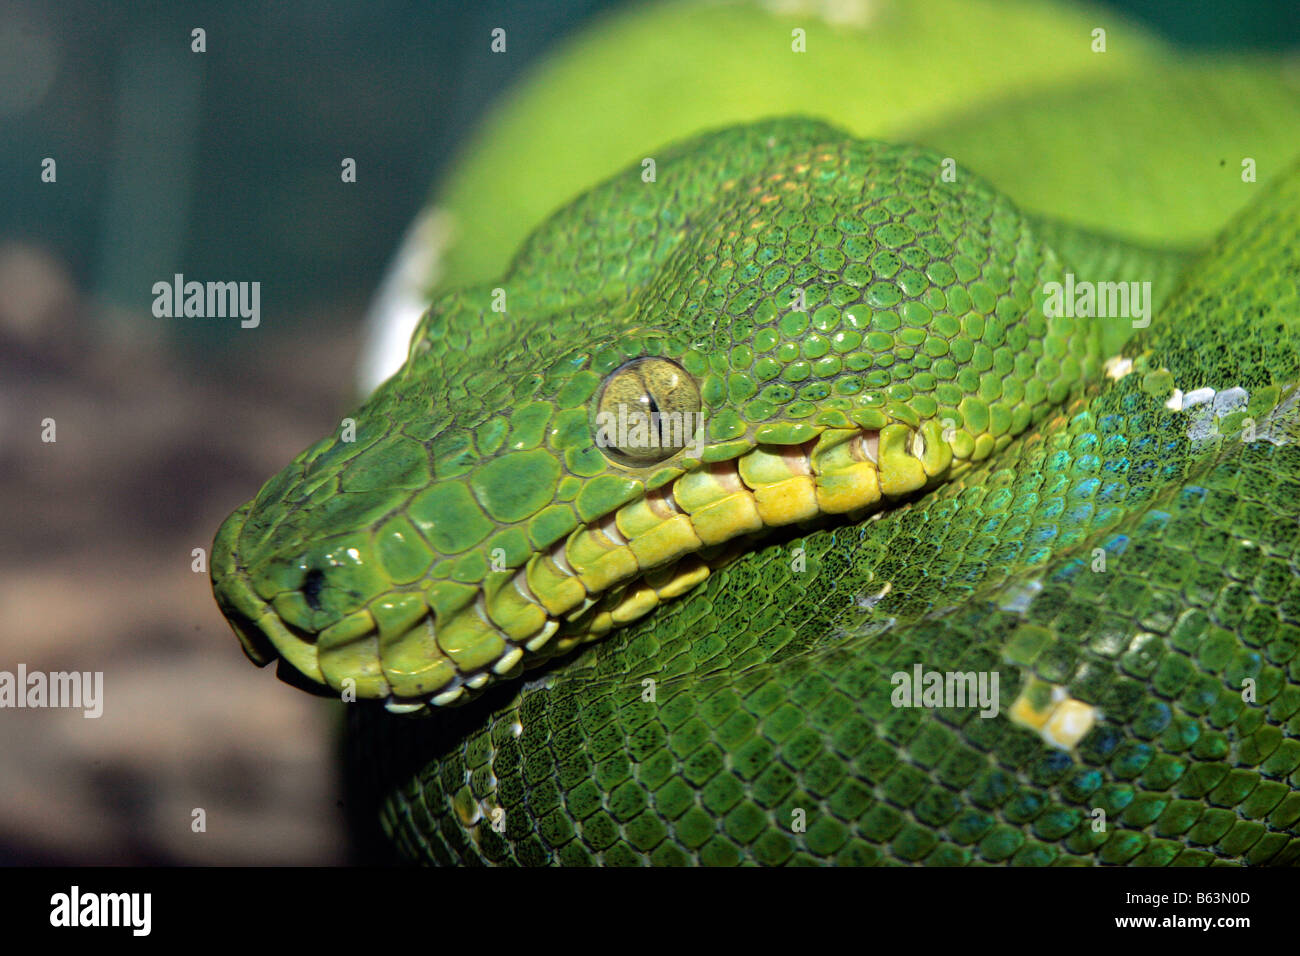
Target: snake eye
point(648, 410)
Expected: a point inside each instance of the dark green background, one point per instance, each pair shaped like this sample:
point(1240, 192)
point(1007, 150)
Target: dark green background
point(227, 165)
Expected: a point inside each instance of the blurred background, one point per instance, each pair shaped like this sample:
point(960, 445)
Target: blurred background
point(223, 165)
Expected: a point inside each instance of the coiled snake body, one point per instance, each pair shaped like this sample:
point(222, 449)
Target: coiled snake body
point(917, 476)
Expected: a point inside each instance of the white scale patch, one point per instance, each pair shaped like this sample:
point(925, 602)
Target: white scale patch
point(1117, 367)
point(867, 601)
point(544, 682)
point(1205, 405)
point(1018, 597)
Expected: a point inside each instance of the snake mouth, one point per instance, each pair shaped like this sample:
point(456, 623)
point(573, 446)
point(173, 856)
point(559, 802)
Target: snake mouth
point(264, 636)
point(417, 652)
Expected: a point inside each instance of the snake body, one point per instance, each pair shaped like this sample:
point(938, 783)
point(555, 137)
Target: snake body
point(910, 464)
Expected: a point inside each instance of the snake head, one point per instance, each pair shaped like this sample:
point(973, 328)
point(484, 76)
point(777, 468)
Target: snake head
point(788, 326)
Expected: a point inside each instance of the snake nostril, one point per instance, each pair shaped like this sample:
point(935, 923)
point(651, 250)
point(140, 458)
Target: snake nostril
point(312, 585)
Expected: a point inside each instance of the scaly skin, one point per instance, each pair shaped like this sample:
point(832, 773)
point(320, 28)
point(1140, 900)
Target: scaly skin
point(914, 465)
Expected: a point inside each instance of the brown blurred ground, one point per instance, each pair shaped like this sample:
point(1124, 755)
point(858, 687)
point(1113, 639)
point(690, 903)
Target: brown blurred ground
point(152, 451)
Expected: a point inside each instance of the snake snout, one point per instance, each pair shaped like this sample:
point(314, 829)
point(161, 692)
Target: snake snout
point(264, 633)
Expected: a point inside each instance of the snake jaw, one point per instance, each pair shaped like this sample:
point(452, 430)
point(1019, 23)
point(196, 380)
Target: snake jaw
point(403, 649)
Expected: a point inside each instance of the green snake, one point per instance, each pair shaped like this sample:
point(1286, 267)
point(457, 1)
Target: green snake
point(896, 458)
